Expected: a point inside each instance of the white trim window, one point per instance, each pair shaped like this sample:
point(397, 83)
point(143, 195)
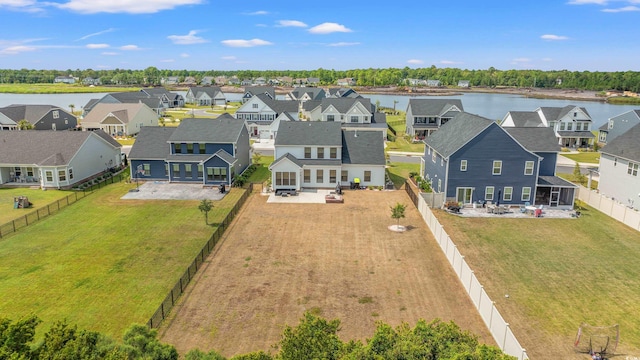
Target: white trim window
point(507, 194)
point(497, 167)
point(307, 176)
point(488, 193)
point(632, 169)
point(463, 165)
point(433, 157)
point(526, 194)
point(62, 175)
point(528, 167)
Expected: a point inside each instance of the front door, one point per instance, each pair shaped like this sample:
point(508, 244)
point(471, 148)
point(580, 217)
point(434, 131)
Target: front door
point(464, 195)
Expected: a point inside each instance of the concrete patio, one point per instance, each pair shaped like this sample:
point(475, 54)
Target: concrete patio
point(515, 212)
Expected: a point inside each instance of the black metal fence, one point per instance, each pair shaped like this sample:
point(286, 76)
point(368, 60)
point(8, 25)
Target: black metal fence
point(412, 191)
point(181, 285)
point(49, 209)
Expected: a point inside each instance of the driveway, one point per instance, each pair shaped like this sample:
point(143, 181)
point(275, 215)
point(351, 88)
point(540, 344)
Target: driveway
point(162, 190)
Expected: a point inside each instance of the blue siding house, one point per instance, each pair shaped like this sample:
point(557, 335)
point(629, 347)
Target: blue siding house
point(207, 151)
point(473, 159)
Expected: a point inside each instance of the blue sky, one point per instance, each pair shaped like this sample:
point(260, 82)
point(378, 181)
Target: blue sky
point(577, 35)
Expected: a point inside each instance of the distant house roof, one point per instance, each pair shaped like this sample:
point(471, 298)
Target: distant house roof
point(555, 113)
point(255, 90)
point(31, 113)
point(362, 147)
point(309, 133)
point(626, 145)
point(457, 132)
point(151, 143)
point(526, 119)
point(154, 102)
point(314, 93)
point(44, 148)
point(535, 139)
point(223, 129)
point(211, 91)
point(433, 107)
point(279, 106)
point(344, 104)
point(124, 112)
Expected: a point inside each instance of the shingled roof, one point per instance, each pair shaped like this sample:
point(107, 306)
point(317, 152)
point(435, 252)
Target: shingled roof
point(535, 139)
point(223, 129)
point(433, 107)
point(526, 119)
point(31, 113)
point(626, 145)
point(457, 132)
point(309, 133)
point(44, 147)
point(124, 112)
point(151, 143)
point(362, 147)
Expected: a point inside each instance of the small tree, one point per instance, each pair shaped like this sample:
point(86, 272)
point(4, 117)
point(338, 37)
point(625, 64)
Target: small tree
point(24, 125)
point(204, 207)
point(72, 107)
point(577, 174)
point(256, 157)
point(397, 212)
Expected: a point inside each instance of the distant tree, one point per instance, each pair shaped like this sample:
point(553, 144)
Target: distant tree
point(16, 337)
point(397, 212)
point(578, 176)
point(204, 207)
point(72, 107)
point(197, 354)
point(140, 342)
point(24, 125)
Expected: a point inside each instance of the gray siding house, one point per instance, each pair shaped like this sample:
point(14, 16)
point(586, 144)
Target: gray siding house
point(205, 151)
point(205, 96)
point(42, 117)
point(425, 116)
point(472, 159)
point(618, 125)
point(619, 168)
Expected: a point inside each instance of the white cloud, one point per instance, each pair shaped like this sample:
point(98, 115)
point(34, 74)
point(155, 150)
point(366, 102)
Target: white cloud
point(328, 28)
point(17, 49)
point(344, 44)
point(228, 58)
point(415, 61)
point(553, 37)
point(184, 55)
point(97, 46)
point(95, 33)
point(129, 47)
point(188, 39)
point(122, 6)
point(31, 6)
point(622, 9)
point(449, 62)
point(259, 12)
point(246, 43)
point(110, 53)
point(291, 23)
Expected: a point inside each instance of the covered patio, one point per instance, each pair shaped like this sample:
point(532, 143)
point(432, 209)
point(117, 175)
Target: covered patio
point(555, 192)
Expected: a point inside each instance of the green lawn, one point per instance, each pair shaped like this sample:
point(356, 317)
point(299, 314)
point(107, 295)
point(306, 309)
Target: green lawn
point(262, 172)
point(103, 263)
point(38, 197)
point(399, 172)
point(401, 144)
point(592, 157)
point(558, 273)
point(127, 141)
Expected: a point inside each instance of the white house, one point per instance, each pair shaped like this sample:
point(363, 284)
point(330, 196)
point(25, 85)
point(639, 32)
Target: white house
point(55, 159)
point(314, 155)
point(120, 119)
point(620, 168)
point(262, 115)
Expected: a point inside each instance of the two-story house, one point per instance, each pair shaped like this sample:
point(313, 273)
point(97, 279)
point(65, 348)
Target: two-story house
point(262, 115)
point(353, 113)
point(303, 94)
point(618, 125)
point(120, 119)
point(312, 155)
point(169, 99)
point(205, 96)
point(571, 124)
point(41, 117)
point(424, 116)
point(156, 103)
point(205, 151)
point(472, 158)
point(620, 167)
point(342, 92)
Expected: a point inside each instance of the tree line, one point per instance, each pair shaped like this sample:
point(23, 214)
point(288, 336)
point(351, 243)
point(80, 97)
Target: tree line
point(560, 79)
point(313, 338)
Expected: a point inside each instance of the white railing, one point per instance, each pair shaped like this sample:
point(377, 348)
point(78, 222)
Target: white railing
point(614, 209)
point(496, 324)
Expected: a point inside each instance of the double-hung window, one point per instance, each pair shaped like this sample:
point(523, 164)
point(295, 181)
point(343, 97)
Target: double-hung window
point(526, 194)
point(463, 165)
point(497, 167)
point(488, 193)
point(528, 167)
point(632, 169)
point(508, 193)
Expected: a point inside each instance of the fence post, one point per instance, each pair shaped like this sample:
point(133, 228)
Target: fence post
point(162, 309)
point(506, 330)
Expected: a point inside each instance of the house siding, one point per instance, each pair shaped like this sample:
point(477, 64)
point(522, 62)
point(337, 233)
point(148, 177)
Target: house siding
point(243, 155)
point(157, 169)
point(616, 183)
point(548, 163)
point(47, 121)
point(434, 171)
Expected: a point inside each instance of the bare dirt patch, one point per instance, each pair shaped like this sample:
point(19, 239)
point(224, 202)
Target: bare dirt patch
point(338, 260)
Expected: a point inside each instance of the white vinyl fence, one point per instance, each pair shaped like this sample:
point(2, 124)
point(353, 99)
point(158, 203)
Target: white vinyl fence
point(614, 209)
point(486, 307)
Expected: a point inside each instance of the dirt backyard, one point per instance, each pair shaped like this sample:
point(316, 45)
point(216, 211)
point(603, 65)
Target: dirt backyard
point(337, 260)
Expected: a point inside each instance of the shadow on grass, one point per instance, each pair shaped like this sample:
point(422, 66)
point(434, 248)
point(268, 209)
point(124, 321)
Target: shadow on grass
point(398, 180)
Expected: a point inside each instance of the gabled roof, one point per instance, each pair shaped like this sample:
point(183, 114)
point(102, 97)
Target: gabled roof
point(44, 148)
point(457, 132)
point(124, 112)
point(342, 105)
point(626, 145)
point(31, 113)
point(223, 129)
point(289, 157)
point(211, 91)
point(279, 106)
point(433, 107)
point(311, 104)
point(526, 119)
point(153, 102)
point(255, 90)
point(5, 120)
point(225, 156)
point(309, 133)
point(535, 139)
point(313, 92)
point(555, 113)
point(151, 143)
point(362, 147)
point(342, 92)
